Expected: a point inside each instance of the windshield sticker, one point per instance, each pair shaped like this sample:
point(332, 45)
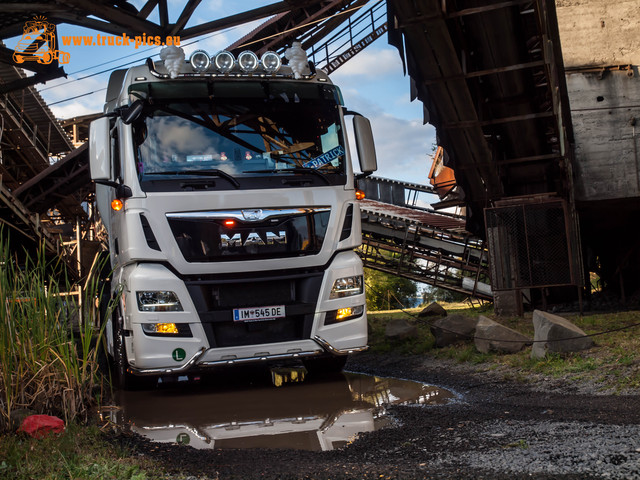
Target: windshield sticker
point(199, 158)
point(325, 158)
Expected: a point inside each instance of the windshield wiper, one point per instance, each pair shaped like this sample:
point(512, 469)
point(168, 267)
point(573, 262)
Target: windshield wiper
point(204, 173)
point(302, 170)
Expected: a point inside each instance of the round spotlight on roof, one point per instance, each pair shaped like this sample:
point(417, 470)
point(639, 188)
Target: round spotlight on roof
point(271, 62)
point(224, 61)
point(200, 60)
point(248, 61)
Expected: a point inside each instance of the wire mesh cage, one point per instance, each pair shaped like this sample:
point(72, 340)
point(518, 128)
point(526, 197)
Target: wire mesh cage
point(531, 245)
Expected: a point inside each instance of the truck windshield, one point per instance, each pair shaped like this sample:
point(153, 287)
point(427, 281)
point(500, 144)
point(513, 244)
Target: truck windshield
point(242, 134)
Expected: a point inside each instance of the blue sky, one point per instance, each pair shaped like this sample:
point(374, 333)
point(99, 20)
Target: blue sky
point(372, 84)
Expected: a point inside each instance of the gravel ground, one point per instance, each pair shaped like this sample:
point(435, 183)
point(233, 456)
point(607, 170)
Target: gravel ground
point(495, 430)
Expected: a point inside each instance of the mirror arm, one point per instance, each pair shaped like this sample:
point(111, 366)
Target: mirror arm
point(122, 191)
point(346, 111)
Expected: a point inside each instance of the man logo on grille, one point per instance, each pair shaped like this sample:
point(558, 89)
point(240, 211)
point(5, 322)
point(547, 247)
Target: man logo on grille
point(254, 238)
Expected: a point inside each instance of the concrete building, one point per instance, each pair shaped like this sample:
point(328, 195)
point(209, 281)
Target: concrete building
point(601, 54)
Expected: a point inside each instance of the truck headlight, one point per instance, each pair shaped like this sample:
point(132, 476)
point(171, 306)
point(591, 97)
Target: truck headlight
point(158, 301)
point(347, 286)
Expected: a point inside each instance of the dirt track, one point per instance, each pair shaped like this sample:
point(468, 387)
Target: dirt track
point(496, 430)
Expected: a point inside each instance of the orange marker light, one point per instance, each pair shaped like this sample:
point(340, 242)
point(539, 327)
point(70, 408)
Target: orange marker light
point(229, 223)
point(117, 204)
point(359, 194)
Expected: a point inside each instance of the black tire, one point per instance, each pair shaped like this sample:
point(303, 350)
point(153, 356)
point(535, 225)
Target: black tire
point(123, 378)
point(325, 364)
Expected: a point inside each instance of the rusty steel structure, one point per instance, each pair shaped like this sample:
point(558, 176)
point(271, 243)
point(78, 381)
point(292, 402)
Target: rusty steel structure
point(489, 73)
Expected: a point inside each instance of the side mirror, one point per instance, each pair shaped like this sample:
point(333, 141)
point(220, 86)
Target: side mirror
point(100, 149)
point(131, 113)
point(364, 144)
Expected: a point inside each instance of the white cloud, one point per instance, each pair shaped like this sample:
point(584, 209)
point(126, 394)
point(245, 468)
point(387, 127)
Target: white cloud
point(370, 62)
point(403, 146)
point(77, 108)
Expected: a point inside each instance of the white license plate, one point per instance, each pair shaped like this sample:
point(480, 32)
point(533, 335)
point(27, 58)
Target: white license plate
point(256, 314)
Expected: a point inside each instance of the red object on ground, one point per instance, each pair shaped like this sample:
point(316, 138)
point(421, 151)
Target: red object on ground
point(39, 426)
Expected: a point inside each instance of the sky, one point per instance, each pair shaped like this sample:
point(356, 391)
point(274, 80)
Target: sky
point(372, 84)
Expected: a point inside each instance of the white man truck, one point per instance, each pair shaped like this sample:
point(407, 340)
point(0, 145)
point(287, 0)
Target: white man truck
point(228, 195)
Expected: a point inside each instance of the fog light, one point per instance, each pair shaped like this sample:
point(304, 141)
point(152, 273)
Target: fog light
point(343, 314)
point(271, 62)
point(200, 60)
point(158, 301)
point(224, 61)
point(169, 328)
point(347, 286)
point(248, 61)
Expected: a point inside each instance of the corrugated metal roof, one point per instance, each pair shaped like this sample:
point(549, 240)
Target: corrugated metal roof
point(30, 101)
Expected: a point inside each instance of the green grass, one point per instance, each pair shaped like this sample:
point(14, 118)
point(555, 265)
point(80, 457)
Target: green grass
point(80, 452)
point(48, 358)
point(613, 363)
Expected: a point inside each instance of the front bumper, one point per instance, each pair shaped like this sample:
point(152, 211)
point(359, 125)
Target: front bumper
point(210, 343)
point(198, 360)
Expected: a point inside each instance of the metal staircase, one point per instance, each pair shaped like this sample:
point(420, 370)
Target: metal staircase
point(359, 31)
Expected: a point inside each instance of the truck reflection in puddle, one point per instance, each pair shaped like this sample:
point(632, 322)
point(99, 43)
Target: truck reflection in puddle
point(312, 414)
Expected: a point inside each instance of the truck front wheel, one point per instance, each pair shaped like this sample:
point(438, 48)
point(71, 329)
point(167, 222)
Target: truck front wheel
point(125, 380)
point(325, 364)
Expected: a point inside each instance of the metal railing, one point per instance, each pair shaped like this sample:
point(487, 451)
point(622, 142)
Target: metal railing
point(360, 30)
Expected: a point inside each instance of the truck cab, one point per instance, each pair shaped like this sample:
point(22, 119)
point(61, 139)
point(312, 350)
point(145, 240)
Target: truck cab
point(228, 194)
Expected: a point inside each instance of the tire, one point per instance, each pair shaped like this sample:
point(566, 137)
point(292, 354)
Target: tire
point(325, 364)
point(123, 378)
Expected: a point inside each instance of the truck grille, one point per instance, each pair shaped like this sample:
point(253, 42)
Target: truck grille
point(249, 234)
point(215, 299)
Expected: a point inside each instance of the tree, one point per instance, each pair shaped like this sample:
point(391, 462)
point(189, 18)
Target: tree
point(434, 294)
point(386, 291)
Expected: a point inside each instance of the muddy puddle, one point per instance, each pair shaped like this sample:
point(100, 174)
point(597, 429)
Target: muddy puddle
point(292, 411)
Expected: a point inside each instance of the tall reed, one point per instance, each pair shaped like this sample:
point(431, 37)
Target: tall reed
point(48, 360)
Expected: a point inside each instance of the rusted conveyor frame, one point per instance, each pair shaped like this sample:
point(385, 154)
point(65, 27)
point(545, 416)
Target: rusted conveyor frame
point(423, 253)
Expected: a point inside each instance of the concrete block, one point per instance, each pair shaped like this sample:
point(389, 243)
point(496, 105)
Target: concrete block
point(400, 329)
point(507, 303)
point(556, 334)
point(453, 329)
point(491, 336)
